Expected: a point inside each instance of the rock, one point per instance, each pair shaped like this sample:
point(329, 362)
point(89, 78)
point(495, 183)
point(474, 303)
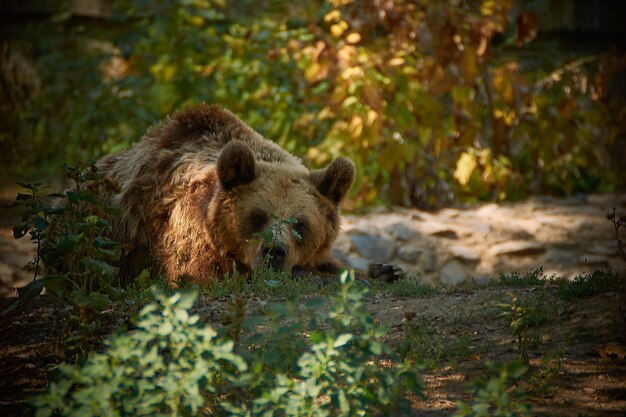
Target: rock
point(453, 273)
point(428, 261)
point(434, 228)
point(401, 231)
point(374, 248)
point(548, 220)
point(341, 256)
point(464, 253)
point(606, 201)
point(6, 274)
point(450, 213)
point(362, 229)
point(482, 280)
point(409, 254)
point(489, 210)
point(481, 228)
point(446, 233)
point(416, 216)
point(357, 263)
point(519, 234)
point(591, 259)
point(560, 257)
point(342, 244)
point(517, 248)
point(607, 249)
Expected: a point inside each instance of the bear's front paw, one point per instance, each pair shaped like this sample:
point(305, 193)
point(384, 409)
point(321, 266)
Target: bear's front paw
point(384, 272)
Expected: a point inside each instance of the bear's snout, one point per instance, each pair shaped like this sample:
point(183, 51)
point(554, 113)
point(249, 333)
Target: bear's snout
point(275, 255)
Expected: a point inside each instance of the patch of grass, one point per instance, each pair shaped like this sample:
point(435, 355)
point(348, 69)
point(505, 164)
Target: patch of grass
point(408, 286)
point(421, 342)
point(427, 344)
point(139, 292)
point(588, 285)
point(582, 286)
point(267, 282)
point(534, 277)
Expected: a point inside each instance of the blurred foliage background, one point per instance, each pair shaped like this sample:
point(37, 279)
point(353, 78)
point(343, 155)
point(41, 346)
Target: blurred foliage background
point(438, 102)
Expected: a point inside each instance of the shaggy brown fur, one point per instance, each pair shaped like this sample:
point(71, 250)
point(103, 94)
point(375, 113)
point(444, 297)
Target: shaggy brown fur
point(200, 186)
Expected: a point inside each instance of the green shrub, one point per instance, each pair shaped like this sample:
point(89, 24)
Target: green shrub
point(497, 397)
point(588, 285)
point(172, 365)
point(524, 318)
point(72, 233)
point(166, 365)
point(531, 278)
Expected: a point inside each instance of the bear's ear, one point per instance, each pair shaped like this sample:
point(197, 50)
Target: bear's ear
point(235, 165)
point(335, 180)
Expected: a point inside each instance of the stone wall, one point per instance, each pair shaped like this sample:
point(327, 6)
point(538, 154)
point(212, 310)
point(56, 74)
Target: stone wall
point(453, 246)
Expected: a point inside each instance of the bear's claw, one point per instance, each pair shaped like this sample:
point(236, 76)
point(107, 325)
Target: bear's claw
point(385, 272)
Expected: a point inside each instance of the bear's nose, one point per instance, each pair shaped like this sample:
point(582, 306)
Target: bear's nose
point(275, 255)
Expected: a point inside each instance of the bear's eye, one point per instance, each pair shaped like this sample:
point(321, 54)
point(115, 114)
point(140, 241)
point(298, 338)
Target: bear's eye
point(300, 226)
point(258, 218)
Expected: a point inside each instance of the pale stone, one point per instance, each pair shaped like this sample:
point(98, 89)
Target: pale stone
point(482, 280)
point(464, 253)
point(591, 259)
point(6, 274)
point(446, 233)
point(488, 210)
point(517, 248)
point(409, 254)
point(362, 229)
point(402, 231)
point(560, 257)
point(341, 256)
point(439, 229)
point(374, 248)
point(453, 273)
point(607, 201)
point(428, 261)
point(607, 249)
point(481, 228)
point(417, 216)
point(357, 263)
point(342, 244)
point(451, 213)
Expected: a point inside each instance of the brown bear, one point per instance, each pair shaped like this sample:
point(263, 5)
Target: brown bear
point(201, 187)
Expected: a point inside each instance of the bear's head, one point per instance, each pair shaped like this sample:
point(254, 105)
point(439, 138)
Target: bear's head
point(276, 211)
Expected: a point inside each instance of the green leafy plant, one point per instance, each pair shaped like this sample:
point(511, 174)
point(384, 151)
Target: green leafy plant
point(524, 318)
point(72, 232)
point(172, 365)
point(340, 374)
point(497, 396)
point(542, 380)
point(37, 213)
point(167, 365)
